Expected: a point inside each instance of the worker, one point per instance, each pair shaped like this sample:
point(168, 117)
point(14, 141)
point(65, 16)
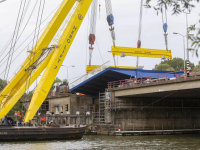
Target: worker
point(135, 80)
point(18, 113)
point(20, 119)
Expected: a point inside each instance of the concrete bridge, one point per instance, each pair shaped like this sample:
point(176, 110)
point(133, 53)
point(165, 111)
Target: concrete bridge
point(178, 88)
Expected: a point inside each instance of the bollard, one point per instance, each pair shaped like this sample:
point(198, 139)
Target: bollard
point(87, 121)
point(78, 118)
point(62, 119)
point(57, 120)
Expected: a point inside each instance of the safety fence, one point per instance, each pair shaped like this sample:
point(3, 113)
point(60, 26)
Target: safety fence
point(153, 78)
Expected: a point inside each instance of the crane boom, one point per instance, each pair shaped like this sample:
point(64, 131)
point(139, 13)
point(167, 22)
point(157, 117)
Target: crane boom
point(31, 68)
point(42, 43)
point(7, 105)
point(57, 58)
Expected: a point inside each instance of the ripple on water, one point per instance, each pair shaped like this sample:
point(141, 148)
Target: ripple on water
point(111, 143)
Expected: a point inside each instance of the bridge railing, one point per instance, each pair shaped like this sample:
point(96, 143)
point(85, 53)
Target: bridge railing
point(153, 78)
point(90, 74)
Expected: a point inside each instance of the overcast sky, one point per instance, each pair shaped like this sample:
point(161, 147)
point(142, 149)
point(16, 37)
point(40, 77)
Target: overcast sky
point(126, 13)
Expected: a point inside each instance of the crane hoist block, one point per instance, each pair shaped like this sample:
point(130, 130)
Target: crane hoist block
point(141, 52)
point(110, 19)
point(91, 39)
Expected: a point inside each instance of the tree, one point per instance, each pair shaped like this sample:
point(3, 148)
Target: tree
point(164, 67)
point(57, 80)
point(65, 80)
point(179, 6)
point(2, 84)
point(18, 106)
point(176, 64)
point(198, 67)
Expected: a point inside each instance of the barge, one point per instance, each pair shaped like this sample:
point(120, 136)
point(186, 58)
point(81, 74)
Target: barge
point(14, 133)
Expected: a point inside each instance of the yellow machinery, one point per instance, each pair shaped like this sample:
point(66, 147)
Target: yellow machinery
point(49, 59)
point(43, 58)
point(141, 52)
point(92, 67)
point(138, 52)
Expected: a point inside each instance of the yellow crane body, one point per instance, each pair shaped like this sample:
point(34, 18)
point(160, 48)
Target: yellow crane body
point(92, 67)
point(57, 59)
point(141, 52)
point(7, 105)
point(42, 43)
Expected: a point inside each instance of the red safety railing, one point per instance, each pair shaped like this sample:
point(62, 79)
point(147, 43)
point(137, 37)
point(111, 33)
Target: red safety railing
point(153, 78)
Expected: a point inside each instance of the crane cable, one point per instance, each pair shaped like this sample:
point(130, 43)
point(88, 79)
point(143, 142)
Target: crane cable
point(92, 28)
point(15, 35)
point(140, 30)
point(27, 38)
point(9, 41)
point(36, 36)
point(110, 20)
point(2, 1)
point(165, 26)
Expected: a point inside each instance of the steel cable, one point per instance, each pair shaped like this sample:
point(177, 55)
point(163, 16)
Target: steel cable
point(26, 40)
point(13, 37)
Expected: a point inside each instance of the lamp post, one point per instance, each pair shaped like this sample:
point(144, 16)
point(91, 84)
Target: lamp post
point(67, 70)
point(183, 46)
point(184, 50)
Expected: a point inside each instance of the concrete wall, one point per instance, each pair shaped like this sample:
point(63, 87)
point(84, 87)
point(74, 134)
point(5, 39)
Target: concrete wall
point(168, 114)
point(75, 103)
point(80, 103)
point(61, 102)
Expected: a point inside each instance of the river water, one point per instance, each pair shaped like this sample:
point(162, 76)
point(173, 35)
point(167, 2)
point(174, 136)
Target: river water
point(154, 142)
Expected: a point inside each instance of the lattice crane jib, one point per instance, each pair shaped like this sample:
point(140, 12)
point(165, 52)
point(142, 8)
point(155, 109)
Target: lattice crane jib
point(31, 68)
point(42, 43)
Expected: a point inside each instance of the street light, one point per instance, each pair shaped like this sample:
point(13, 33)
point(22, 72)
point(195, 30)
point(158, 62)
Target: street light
point(183, 46)
point(67, 70)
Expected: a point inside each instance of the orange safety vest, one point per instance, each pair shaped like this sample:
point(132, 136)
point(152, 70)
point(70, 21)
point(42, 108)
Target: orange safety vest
point(18, 113)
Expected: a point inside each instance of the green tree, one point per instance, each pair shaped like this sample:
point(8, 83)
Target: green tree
point(18, 106)
point(57, 80)
point(176, 64)
point(2, 84)
point(65, 80)
point(180, 6)
point(198, 67)
point(164, 67)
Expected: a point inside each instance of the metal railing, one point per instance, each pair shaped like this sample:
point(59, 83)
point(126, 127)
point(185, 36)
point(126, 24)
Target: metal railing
point(89, 75)
point(153, 78)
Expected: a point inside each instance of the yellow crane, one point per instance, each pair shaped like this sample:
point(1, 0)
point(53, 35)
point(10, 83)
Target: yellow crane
point(45, 58)
point(137, 52)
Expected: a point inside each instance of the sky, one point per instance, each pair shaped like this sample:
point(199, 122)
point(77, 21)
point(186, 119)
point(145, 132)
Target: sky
point(126, 14)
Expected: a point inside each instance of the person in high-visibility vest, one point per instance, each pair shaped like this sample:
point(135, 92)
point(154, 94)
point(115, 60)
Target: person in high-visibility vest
point(18, 113)
point(20, 119)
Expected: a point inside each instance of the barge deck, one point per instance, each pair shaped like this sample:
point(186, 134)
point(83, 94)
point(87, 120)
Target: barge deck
point(41, 133)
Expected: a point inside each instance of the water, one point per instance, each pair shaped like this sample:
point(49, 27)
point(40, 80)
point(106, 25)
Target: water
point(157, 142)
